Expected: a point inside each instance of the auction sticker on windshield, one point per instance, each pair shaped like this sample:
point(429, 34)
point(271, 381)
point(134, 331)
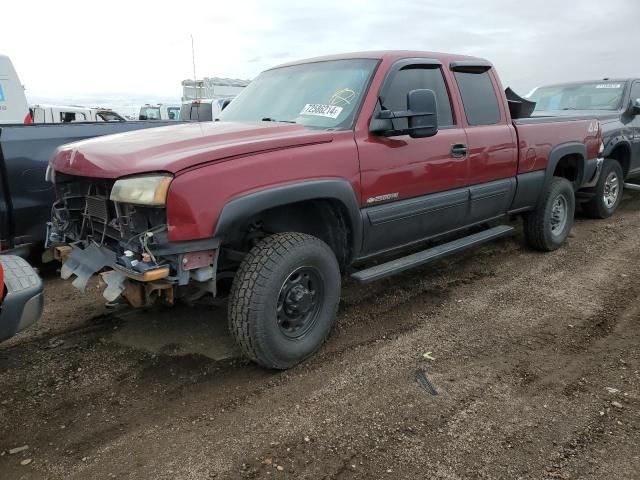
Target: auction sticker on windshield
point(609, 85)
point(319, 110)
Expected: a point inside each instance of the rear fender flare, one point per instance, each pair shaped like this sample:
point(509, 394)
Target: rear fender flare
point(561, 151)
point(237, 212)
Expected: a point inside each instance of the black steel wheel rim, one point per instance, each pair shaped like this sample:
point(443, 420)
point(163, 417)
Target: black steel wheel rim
point(299, 302)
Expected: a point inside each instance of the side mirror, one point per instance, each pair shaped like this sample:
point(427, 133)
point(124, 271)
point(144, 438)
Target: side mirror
point(635, 107)
point(421, 115)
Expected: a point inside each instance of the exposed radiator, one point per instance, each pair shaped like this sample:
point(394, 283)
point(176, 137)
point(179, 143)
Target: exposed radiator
point(97, 208)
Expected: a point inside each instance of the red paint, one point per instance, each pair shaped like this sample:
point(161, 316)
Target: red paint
point(178, 147)
point(193, 260)
point(215, 162)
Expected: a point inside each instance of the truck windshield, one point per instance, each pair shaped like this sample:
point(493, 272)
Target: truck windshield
point(323, 94)
point(107, 116)
point(579, 96)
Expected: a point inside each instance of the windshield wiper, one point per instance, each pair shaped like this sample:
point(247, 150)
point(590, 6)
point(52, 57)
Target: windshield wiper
point(269, 119)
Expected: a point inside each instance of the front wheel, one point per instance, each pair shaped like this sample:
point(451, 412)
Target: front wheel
point(607, 194)
point(284, 299)
point(547, 227)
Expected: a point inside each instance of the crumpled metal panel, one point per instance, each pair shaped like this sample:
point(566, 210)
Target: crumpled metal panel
point(115, 285)
point(83, 263)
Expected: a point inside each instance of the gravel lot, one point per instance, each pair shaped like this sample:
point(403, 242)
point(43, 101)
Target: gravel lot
point(535, 363)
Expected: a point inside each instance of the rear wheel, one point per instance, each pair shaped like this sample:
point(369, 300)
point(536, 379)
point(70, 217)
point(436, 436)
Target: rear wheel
point(607, 194)
point(284, 299)
point(547, 227)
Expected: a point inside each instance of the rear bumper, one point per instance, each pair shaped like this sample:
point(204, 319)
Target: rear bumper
point(22, 306)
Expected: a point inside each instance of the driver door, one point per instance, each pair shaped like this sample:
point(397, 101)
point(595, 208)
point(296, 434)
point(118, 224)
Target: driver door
point(413, 188)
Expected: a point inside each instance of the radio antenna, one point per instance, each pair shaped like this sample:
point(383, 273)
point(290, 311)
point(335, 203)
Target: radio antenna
point(193, 59)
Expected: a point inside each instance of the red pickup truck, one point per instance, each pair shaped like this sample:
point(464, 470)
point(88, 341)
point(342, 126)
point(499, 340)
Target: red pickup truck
point(315, 168)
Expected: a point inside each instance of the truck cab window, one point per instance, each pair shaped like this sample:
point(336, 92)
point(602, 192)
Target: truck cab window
point(408, 79)
point(67, 117)
point(635, 91)
point(173, 113)
point(479, 98)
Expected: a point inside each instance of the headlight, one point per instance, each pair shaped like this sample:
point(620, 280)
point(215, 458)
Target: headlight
point(144, 190)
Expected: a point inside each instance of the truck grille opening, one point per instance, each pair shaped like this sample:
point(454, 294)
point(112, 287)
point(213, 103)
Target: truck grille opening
point(83, 211)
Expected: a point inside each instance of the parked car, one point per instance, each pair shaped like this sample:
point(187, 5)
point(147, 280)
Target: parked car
point(21, 297)
point(616, 104)
point(159, 111)
point(203, 110)
point(13, 102)
point(42, 113)
point(363, 156)
point(25, 196)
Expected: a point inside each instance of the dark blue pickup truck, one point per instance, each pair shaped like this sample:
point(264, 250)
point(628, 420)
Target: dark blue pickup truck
point(25, 196)
point(616, 104)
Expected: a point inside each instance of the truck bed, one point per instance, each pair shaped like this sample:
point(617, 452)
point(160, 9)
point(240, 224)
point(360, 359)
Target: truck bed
point(538, 136)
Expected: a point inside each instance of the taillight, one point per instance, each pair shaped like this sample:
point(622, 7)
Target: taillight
point(27, 119)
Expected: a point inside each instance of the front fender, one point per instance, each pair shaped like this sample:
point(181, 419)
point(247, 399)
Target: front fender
point(616, 141)
point(237, 213)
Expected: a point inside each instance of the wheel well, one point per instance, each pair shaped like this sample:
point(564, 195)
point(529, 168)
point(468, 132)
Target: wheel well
point(623, 155)
point(570, 167)
point(325, 219)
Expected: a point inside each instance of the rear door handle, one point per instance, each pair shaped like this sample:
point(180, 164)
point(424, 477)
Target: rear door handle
point(458, 150)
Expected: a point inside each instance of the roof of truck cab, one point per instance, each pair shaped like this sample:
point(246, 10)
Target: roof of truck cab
point(391, 55)
point(68, 108)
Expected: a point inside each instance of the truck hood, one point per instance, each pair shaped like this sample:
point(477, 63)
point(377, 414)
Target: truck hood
point(178, 147)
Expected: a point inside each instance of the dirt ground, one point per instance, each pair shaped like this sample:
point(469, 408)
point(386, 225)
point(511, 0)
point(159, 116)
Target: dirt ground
point(535, 363)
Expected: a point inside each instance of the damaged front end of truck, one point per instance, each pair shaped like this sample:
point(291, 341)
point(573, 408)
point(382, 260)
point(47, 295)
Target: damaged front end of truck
point(118, 228)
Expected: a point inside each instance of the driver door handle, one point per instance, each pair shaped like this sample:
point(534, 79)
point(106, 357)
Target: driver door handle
point(458, 150)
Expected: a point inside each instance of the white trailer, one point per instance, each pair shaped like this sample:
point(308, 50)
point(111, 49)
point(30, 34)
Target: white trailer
point(13, 102)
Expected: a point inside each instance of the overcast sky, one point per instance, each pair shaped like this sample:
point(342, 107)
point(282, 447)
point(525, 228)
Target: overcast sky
point(142, 50)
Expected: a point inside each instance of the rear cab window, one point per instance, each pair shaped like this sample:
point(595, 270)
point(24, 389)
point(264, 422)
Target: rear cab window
point(71, 117)
point(478, 97)
point(198, 111)
point(173, 113)
point(106, 116)
point(149, 113)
